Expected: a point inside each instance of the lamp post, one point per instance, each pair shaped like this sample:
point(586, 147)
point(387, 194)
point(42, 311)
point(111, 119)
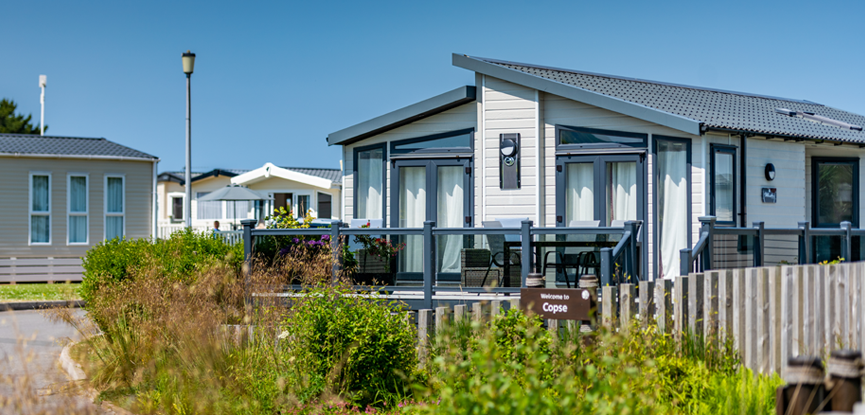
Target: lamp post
point(43, 82)
point(188, 64)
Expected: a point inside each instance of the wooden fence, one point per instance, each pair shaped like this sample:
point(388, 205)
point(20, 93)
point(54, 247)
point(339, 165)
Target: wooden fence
point(769, 313)
point(50, 269)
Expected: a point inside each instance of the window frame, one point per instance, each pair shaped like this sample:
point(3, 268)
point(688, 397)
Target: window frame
point(296, 195)
point(587, 146)
point(318, 204)
point(733, 150)
point(171, 196)
point(468, 151)
point(656, 178)
point(222, 207)
point(31, 213)
point(69, 212)
point(105, 213)
point(355, 181)
point(815, 214)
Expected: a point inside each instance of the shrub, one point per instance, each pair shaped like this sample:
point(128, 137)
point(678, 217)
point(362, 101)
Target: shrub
point(359, 348)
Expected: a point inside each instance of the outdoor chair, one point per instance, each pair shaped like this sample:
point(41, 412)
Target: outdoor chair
point(588, 260)
point(497, 258)
point(475, 267)
point(564, 261)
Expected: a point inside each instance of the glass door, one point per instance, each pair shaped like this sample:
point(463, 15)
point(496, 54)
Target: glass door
point(609, 189)
point(439, 191)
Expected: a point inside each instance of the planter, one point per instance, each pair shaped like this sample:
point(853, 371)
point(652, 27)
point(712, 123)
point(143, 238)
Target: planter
point(371, 270)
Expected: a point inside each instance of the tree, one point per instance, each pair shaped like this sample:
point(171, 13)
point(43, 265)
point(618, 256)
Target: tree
point(11, 123)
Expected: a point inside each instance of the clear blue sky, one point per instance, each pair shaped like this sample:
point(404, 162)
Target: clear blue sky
point(273, 79)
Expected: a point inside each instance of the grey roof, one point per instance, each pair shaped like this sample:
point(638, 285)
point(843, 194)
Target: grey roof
point(66, 146)
point(403, 116)
point(712, 107)
point(334, 175)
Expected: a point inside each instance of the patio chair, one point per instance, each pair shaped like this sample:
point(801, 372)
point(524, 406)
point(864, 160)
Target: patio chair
point(475, 267)
point(497, 247)
point(564, 261)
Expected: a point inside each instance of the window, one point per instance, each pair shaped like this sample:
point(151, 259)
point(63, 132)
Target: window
point(238, 209)
point(77, 200)
point(302, 205)
point(450, 142)
point(115, 207)
point(578, 137)
point(723, 187)
point(40, 208)
point(325, 206)
point(673, 201)
point(369, 173)
point(835, 188)
point(209, 209)
point(177, 208)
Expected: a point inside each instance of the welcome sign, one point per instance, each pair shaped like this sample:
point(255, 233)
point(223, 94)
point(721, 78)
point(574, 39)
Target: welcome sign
point(558, 303)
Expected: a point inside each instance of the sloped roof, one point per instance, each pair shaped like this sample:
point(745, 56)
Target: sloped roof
point(334, 175)
point(31, 144)
point(712, 107)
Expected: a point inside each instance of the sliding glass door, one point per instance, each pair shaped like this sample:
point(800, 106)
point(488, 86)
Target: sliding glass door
point(609, 189)
point(437, 190)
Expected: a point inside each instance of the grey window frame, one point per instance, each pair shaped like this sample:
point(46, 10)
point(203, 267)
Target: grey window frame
point(384, 159)
point(656, 177)
point(560, 146)
point(724, 148)
point(815, 214)
point(318, 203)
point(438, 150)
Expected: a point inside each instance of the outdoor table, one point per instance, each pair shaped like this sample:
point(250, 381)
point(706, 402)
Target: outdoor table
point(539, 245)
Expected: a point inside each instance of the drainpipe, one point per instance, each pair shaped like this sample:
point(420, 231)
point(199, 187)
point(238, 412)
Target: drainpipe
point(743, 173)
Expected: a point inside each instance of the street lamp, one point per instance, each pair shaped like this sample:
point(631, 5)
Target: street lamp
point(188, 64)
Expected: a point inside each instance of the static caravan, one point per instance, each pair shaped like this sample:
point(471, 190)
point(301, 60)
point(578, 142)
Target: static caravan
point(563, 147)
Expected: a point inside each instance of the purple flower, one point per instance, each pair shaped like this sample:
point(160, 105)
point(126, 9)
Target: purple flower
point(295, 240)
point(325, 237)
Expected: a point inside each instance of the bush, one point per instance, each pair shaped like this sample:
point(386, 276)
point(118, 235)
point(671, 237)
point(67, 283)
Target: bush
point(355, 347)
point(177, 258)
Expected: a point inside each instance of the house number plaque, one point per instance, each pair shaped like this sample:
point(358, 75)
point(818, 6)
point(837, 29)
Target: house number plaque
point(558, 303)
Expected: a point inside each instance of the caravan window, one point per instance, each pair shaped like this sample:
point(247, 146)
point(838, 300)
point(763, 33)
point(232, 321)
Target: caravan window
point(369, 174)
point(723, 190)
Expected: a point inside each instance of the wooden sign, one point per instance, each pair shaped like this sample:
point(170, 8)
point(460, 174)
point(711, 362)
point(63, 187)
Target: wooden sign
point(558, 303)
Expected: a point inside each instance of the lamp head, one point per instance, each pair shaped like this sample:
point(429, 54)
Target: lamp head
point(188, 62)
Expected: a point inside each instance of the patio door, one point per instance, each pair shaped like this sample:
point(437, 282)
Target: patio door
point(606, 188)
point(438, 190)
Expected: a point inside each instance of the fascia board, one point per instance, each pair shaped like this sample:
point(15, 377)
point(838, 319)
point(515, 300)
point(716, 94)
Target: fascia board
point(260, 174)
point(251, 176)
point(620, 106)
point(403, 116)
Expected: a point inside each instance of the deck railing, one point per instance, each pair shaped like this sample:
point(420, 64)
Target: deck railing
point(616, 263)
point(703, 256)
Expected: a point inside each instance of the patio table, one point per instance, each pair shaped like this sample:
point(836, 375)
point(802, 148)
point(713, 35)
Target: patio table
point(539, 245)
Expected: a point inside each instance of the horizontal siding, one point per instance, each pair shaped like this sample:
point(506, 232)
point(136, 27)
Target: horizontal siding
point(789, 161)
point(14, 213)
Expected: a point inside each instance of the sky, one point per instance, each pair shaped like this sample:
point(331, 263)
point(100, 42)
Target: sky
point(273, 79)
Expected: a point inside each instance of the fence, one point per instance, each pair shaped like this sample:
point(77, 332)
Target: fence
point(50, 269)
point(722, 247)
point(230, 237)
point(619, 258)
point(769, 313)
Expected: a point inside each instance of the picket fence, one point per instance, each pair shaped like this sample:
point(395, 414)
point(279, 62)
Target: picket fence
point(769, 313)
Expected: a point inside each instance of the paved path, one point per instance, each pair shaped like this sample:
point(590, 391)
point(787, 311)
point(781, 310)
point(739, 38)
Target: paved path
point(29, 336)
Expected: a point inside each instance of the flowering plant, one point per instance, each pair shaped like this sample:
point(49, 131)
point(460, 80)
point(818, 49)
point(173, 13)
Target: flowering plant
point(380, 247)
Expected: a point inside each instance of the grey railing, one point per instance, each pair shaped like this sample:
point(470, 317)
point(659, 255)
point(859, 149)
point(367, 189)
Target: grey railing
point(699, 258)
point(626, 251)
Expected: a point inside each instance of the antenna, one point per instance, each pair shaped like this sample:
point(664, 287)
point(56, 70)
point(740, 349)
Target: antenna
point(43, 81)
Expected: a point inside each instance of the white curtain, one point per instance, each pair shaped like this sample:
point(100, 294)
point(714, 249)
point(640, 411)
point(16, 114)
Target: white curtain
point(724, 187)
point(450, 215)
point(77, 229)
point(239, 209)
point(39, 229)
point(412, 211)
point(673, 218)
point(369, 185)
point(580, 197)
point(623, 192)
point(208, 209)
point(40, 193)
point(39, 224)
point(78, 194)
point(115, 195)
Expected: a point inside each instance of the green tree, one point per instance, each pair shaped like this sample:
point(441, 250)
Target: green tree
point(11, 123)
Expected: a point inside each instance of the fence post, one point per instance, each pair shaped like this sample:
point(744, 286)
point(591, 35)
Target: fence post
point(680, 305)
point(758, 244)
point(606, 266)
point(632, 226)
point(710, 305)
point(609, 305)
point(708, 226)
point(335, 251)
point(696, 290)
point(423, 326)
point(526, 251)
point(664, 305)
point(428, 263)
point(647, 302)
point(847, 242)
point(627, 305)
point(685, 260)
point(247, 254)
point(805, 243)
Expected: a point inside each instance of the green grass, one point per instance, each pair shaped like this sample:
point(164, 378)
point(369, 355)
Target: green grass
point(39, 292)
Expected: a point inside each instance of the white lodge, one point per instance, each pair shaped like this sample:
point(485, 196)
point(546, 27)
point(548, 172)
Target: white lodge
point(563, 147)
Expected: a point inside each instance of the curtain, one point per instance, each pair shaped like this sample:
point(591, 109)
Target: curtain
point(412, 211)
point(579, 196)
point(115, 195)
point(724, 187)
point(672, 164)
point(209, 209)
point(369, 185)
point(623, 191)
point(39, 229)
point(77, 229)
point(242, 210)
point(450, 215)
point(40, 194)
point(78, 194)
point(113, 227)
